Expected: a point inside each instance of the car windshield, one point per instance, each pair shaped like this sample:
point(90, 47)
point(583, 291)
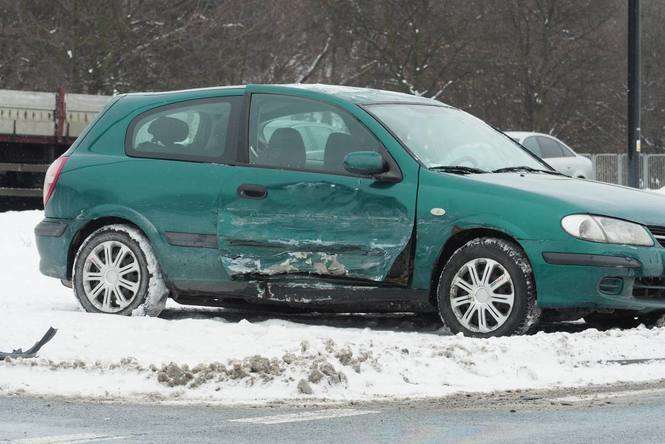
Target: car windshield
point(444, 137)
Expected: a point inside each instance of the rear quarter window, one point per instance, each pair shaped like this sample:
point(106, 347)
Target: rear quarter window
point(196, 130)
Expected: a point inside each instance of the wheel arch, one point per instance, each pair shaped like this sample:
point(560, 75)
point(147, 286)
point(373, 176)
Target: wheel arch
point(456, 241)
point(100, 218)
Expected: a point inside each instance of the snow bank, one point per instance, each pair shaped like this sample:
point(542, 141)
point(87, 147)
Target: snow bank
point(215, 360)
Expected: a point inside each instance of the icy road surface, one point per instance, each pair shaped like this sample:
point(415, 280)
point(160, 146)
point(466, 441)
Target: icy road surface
point(194, 357)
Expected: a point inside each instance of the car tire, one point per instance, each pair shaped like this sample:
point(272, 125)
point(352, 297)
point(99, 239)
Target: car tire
point(621, 320)
point(501, 293)
point(116, 272)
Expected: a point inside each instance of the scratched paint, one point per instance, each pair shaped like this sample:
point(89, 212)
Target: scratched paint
point(318, 228)
point(317, 263)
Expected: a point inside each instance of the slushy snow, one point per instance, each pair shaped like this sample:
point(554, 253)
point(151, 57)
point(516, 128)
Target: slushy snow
point(212, 359)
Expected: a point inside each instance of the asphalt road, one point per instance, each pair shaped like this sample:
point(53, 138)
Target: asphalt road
point(617, 414)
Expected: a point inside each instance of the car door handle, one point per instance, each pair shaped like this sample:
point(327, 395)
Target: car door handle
point(250, 191)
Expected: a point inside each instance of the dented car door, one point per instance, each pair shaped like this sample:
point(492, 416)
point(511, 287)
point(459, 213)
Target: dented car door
point(293, 209)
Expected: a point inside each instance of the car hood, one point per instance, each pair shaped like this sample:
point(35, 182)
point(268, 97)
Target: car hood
point(585, 196)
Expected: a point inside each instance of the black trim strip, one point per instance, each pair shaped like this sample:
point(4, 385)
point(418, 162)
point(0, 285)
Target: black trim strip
point(321, 248)
point(308, 296)
point(595, 260)
point(195, 240)
point(50, 228)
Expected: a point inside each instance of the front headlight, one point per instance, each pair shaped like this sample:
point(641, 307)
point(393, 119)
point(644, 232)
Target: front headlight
point(606, 229)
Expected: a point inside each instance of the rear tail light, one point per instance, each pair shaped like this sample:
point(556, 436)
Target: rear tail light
point(52, 176)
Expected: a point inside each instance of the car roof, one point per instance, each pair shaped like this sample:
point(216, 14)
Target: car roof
point(348, 93)
point(363, 95)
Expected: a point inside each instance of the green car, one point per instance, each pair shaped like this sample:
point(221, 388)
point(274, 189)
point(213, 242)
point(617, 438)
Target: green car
point(326, 198)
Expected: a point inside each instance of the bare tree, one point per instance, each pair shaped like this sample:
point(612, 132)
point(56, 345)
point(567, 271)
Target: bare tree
point(556, 66)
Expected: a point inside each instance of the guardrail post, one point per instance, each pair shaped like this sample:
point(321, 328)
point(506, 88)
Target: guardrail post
point(620, 169)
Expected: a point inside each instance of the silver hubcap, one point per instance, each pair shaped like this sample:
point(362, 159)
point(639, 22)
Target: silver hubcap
point(111, 276)
point(482, 295)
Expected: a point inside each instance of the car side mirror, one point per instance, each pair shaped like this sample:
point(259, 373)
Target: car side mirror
point(366, 163)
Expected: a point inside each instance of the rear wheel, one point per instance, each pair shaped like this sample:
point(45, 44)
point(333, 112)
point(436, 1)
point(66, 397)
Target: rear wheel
point(115, 272)
point(487, 289)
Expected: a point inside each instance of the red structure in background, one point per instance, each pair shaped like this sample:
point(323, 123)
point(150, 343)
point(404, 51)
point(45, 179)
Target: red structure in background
point(60, 113)
point(59, 137)
point(25, 158)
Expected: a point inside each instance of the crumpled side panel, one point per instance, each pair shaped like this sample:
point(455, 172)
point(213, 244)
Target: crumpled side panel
point(317, 228)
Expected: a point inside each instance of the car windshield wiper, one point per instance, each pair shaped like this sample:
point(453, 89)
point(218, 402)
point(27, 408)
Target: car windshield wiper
point(527, 169)
point(458, 169)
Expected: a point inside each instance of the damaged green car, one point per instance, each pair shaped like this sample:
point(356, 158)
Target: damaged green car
point(325, 198)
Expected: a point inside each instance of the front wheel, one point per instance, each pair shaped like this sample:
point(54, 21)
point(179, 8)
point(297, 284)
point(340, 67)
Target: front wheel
point(487, 289)
point(116, 272)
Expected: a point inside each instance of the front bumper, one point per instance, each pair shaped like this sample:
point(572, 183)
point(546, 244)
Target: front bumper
point(575, 274)
point(53, 237)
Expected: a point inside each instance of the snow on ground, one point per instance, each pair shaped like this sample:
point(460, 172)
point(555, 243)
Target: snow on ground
point(194, 359)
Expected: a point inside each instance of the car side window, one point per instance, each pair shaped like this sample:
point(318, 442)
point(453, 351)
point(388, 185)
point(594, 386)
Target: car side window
point(296, 133)
point(567, 152)
point(198, 130)
point(550, 148)
point(531, 144)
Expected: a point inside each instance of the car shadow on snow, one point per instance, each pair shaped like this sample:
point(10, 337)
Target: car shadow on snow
point(402, 322)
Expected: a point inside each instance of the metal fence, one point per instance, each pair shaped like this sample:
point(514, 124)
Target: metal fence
point(613, 168)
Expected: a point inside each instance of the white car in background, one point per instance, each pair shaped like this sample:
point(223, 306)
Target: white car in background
point(556, 153)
